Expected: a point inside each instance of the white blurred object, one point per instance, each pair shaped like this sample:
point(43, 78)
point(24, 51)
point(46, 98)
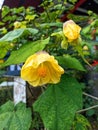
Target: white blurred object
point(19, 91)
point(6, 83)
point(1, 3)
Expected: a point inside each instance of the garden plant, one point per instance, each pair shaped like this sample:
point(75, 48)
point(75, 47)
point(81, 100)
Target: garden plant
point(54, 57)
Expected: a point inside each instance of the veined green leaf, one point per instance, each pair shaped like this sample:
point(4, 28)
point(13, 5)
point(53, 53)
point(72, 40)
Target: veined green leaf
point(70, 62)
point(25, 51)
point(4, 118)
point(10, 36)
point(15, 117)
point(58, 104)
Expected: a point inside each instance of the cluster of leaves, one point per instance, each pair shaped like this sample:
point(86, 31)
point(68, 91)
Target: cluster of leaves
point(91, 29)
point(57, 107)
point(15, 117)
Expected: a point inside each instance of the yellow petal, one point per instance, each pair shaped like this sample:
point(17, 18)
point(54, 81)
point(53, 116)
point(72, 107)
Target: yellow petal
point(71, 30)
point(54, 75)
point(35, 83)
point(57, 68)
point(29, 74)
point(31, 61)
point(55, 65)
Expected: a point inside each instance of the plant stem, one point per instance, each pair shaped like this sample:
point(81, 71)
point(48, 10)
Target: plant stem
point(86, 109)
point(89, 108)
point(86, 94)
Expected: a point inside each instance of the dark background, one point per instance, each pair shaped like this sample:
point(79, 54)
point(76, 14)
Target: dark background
point(81, 6)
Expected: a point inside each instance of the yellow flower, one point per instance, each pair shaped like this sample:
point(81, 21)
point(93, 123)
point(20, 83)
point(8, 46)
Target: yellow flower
point(17, 24)
point(71, 30)
point(41, 68)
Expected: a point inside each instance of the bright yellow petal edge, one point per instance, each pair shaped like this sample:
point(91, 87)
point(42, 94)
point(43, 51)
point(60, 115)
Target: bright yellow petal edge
point(41, 68)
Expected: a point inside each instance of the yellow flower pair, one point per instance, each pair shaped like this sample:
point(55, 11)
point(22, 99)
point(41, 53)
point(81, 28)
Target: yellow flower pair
point(42, 68)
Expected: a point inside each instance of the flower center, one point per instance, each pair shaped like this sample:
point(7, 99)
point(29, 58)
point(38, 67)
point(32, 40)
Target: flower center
point(42, 71)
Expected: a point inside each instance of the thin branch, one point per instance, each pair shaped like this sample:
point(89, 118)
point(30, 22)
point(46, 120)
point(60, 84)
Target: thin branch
point(86, 94)
point(86, 109)
point(89, 108)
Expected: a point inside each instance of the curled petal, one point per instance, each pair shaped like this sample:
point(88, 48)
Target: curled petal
point(40, 69)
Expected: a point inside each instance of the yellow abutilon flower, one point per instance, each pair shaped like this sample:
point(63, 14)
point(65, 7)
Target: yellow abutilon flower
point(71, 30)
point(41, 68)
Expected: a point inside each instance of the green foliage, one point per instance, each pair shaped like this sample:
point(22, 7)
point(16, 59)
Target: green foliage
point(59, 103)
point(15, 117)
point(26, 50)
point(4, 47)
point(70, 62)
point(90, 113)
point(73, 1)
point(81, 123)
point(78, 18)
point(12, 35)
point(6, 42)
point(24, 32)
point(81, 53)
point(90, 31)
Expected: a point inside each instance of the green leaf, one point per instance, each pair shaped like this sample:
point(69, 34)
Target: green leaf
point(70, 62)
point(59, 103)
point(59, 34)
point(15, 117)
point(25, 51)
point(4, 119)
point(21, 119)
point(7, 107)
point(5, 11)
point(81, 123)
point(3, 52)
point(90, 112)
point(12, 35)
point(30, 17)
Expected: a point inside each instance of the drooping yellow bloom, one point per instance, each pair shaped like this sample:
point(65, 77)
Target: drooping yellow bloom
point(41, 68)
point(71, 30)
